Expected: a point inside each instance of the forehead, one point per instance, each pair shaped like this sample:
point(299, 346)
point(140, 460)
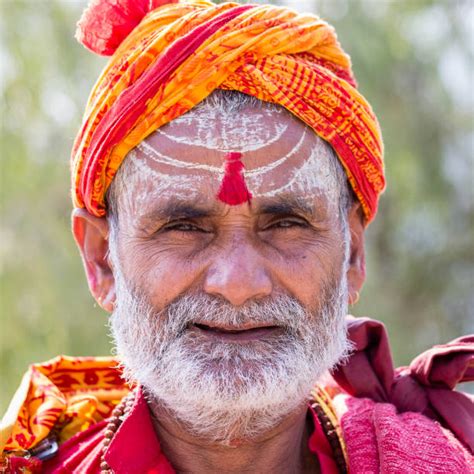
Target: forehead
point(280, 155)
point(245, 130)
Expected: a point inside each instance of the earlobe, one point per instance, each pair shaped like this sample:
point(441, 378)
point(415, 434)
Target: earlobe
point(91, 235)
point(356, 269)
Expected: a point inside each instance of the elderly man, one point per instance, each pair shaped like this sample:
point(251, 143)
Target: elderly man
point(223, 178)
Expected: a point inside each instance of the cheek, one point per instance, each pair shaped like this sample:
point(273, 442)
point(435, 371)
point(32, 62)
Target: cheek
point(303, 270)
point(162, 275)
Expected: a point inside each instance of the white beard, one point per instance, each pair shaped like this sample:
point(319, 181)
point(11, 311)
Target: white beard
point(222, 391)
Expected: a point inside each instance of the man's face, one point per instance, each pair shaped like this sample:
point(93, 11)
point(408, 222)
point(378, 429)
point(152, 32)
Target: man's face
point(176, 237)
point(228, 315)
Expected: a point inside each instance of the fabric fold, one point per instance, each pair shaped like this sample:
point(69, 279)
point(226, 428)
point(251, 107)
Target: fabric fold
point(425, 386)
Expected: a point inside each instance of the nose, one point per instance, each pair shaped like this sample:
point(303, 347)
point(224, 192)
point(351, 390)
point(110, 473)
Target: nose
point(238, 274)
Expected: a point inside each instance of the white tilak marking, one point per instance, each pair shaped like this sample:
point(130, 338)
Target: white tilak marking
point(216, 130)
point(145, 170)
point(314, 174)
point(163, 185)
point(158, 157)
point(257, 172)
point(155, 155)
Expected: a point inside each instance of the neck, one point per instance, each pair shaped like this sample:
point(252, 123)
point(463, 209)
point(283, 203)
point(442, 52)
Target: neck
point(283, 449)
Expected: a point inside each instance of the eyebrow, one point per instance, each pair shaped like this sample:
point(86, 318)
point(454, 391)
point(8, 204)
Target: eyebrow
point(285, 205)
point(177, 209)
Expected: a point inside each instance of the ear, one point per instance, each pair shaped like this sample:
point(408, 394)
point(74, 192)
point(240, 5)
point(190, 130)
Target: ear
point(356, 270)
point(91, 235)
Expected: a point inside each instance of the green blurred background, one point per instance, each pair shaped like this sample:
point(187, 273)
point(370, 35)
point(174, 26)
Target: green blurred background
point(414, 62)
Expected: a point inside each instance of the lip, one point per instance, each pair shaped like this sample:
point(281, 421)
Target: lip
point(244, 333)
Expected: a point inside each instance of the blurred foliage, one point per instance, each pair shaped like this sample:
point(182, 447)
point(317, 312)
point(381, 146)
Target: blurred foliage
point(413, 60)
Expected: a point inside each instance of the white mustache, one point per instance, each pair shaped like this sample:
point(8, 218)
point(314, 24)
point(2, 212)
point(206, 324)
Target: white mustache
point(281, 311)
point(173, 321)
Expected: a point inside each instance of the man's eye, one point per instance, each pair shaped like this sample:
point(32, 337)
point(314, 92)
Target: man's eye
point(182, 227)
point(287, 224)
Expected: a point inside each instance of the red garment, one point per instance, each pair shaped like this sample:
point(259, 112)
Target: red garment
point(135, 448)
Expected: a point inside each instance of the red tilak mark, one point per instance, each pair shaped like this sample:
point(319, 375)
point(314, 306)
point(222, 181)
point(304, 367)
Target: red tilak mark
point(233, 190)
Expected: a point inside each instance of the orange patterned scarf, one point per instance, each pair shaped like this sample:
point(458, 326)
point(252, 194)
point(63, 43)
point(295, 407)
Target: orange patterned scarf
point(168, 58)
point(68, 394)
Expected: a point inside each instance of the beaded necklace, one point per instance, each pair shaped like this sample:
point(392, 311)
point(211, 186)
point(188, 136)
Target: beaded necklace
point(119, 414)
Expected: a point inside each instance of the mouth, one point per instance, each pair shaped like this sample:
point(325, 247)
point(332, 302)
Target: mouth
point(243, 333)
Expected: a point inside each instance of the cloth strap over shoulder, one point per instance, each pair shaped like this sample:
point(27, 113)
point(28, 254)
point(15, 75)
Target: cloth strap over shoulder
point(425, 386)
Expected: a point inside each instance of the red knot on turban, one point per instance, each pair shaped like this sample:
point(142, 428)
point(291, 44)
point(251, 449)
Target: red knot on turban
point(167, 57)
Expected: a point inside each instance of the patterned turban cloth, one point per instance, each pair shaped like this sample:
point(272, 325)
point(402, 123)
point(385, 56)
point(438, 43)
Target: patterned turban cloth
point(168, 57)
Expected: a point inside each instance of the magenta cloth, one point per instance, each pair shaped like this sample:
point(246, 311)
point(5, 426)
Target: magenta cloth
point(426, 386)
point(378, 440)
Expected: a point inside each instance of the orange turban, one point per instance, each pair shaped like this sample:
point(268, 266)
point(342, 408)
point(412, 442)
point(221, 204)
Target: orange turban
point(166, 58)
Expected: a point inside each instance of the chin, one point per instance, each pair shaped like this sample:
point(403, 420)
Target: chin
point(233, 393)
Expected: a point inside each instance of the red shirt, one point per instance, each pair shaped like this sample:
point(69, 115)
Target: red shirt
point(135, 448)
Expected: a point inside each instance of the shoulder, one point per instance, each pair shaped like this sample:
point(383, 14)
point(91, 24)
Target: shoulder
point(59, 399)
point(409, 414)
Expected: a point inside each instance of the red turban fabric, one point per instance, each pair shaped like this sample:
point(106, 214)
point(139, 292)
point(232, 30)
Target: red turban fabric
point(166, 58)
